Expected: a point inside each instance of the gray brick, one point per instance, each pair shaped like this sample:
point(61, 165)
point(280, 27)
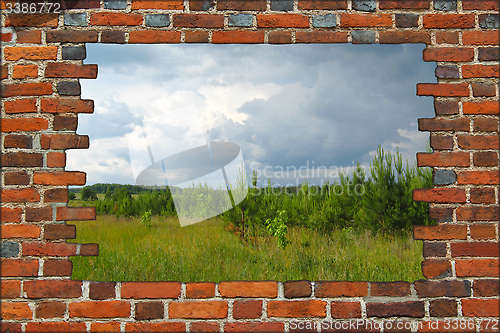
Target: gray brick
point(240, 20)
point(74, 53)
point(10, 249)
point(489, 21)
point(324, 21)
point(115, 4)
point(157, 20)
point(364, 6)
point(444, 177)
point(447, 72)
point(445, 5)
point(75, 19)
point(406, 20)
point(363, 37)
point(282, 5)
point(69, 88)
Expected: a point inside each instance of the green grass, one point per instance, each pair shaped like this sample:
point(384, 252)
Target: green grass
point(128, 251)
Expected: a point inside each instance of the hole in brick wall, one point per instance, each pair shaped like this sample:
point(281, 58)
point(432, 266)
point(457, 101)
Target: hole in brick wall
point(297, 112)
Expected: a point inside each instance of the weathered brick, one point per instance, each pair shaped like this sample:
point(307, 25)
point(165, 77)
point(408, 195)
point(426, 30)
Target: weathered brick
point(29, 36)
point(20, 106)
point(18, 141)
point(80, 4)
point(406, 20)
point(443, 308)
point(25, 72)
point(268, 289)
point(100, 309)
point(31, 53)
point(441, 142)
point(115, 19)
point(345, 309)
point(10, 249)
point(296, 309)
point(240, 20)
point(56, 195)
point(113, 37)
point(436, 249)
point(448, 288)
point(102, 290)
point(200, 289)
point(396, 309)
point(489, 21)
point(282, 21)
point(482, 231)
point(254, 327)
point(59, 178)
point(64, 141)
point(19, 267)
point(365, 20)
point(198, 20)
point(149, 310)
point(365, 6)
point(477, 213)
point(444, 21)
point(445, 5)
point(447, 72)
point(448, 54)
point(196, 37)
point(436, 268)
point(443, 159)
point(403, 4)
point(198, 309)
point(479, 177)
point(440, 214)
point(481, 307)
point(434, 125)
point(477, 267)
point(247, 309)
point(404, 37)
point(151, 36)
point(202, 5)
point(480, 5)
point(75, 19)
point(158, 4)
point(439, 232)
point(483, 89)
point(363, 37)
point(324, 21)
point(157, 20)
point(476, 249)
point(393, 289)
point(55, 69)
point(483, 107)
point(62, 123)
point(38, 214)
point(445, 107)
point(341, 289)
point(151, 289)
point(50, 309)
point(321, 37)
point(21, 159)
point(489, 54)
point(295, 289)
point(486, 288)
point(53, 267)
point(69, 88)
point(322, 4)
point(72, 36)
point(440, 195)
point(444, 177)
point(485, 125)
point(280, 37)
point(20, 195)
point(59, 231)
point(74, 53)
point(32, 20)
point(486, 158)
point(26, 89)
point(115, 4)
point(257, 5)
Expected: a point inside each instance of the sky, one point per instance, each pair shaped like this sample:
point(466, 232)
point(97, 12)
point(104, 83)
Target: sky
point(288, 107)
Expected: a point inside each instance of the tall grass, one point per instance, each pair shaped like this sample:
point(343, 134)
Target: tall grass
point(130, 251)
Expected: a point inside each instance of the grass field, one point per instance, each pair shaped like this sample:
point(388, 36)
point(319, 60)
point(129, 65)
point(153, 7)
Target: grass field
point(129, 251)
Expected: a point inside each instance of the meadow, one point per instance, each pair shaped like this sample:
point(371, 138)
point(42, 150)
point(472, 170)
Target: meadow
point(210, 251)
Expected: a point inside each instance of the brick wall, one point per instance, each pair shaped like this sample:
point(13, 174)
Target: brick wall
point(41, 66)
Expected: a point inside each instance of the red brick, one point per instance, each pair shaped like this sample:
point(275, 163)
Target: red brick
point(403, 4)
point(20, 106)
point(6, 326)
point(152, 36)
point(55, 327)
point(49, 249)
point(29, 36)
point(31, 53)
point(280, 37)
point(477, 267)
point(6, 37)
point(476, 249)
point(156, 327)
point(196, 37)
point(59, 231)
point(38, 214)
point(268, 289)
point(439, 232)
point(365, 20)
point(447, 37)
point(484, 107)
point(434, 125)
point(75, 213)
point(282, 21)
point(56, 160)
point(205, 327)
point(50, 309)
point(482, 231)
point(296, 309)
point(151, 289)
point(296, 289)
point(57, 268)
point(23, 124)
point(18, 141)
point(26, 89)
point(254, 327)
point(112, 326)
point(201, 5)
point(482, 195)
point(480, 307)
point(404, 37)
point(444, 159)
point(479, 177)
point(100, 309)
point(320, 37)
point(444, 21)
point(322, 4)
point(20, 195)
point(485, 125)
point(15, 310)
point(200, 289)
point(397, 309)
point(25, 71)
point(56, 195)
point(90, 249)
point(198, 20)
point(448, 54)
point(12, 215)
point(59, 178)
point(163, 4)
point(436, 268)
point(19, 267)
point(72, 36)
point(149, 310)
point(32, 20)
point(248, 309)
point(64, 141)
point(443, 89)
point(10, 289)
point(102, 290)
point(67, 105)
point(20, 231)
point(53, 288)
point(257, 5)
point(486, 288)
point(342, 310)
point(480, 38)
point(341, 289)
point(238, 37)
point(471, 71)
point(477, 213)
point(441, 142)
point(198, 309)
point(393, 289)
point(440, 195)
point(54, 69)
point(480, 5)
point(114, 19)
